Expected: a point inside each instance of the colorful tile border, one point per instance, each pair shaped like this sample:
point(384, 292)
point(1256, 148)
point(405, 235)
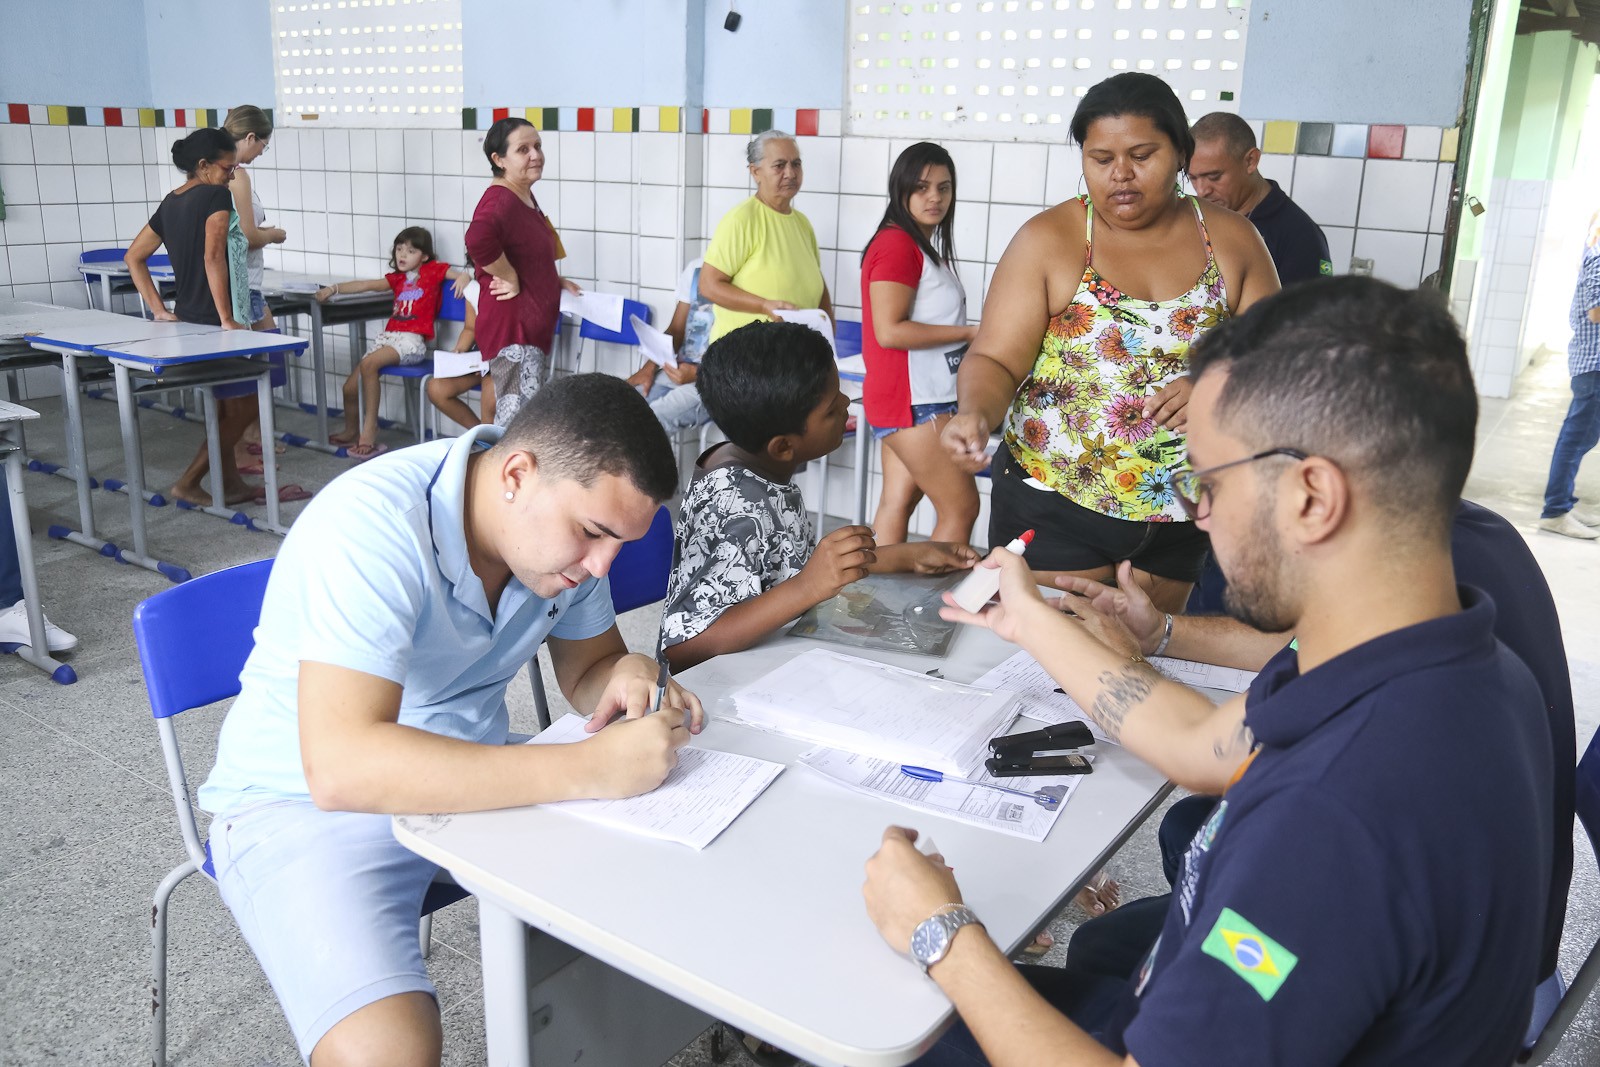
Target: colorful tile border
point(1353, 140)
point(73, 115)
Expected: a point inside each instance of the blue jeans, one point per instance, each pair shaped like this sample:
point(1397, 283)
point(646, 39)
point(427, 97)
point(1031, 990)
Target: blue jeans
point(677, 407)
point(1579, 433)
point(10, 568)
point(1089, 1000)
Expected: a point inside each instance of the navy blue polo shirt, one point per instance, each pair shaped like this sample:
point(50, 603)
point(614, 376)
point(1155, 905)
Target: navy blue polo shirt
point(1371, 890)
point(1297, 246)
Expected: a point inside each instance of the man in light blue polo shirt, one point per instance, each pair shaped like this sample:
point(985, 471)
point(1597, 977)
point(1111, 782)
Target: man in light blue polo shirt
point(403, 602)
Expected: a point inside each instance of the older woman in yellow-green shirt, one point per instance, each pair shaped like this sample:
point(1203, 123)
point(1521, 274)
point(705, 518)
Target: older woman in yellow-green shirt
point(763, 257)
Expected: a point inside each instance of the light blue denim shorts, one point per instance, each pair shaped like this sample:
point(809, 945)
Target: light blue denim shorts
point(329, 903)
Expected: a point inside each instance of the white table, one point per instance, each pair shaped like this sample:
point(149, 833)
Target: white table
point(168, 350)
point(765, 929)
point(113, 270)
point(37, 651)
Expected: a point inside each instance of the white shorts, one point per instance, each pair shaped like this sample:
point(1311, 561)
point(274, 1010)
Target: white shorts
point(329, 902)
point(413, 347)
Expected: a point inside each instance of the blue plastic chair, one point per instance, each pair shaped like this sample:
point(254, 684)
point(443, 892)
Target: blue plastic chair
point(452, 308)
point(1573, 998)
point(588, 331)
point(846, 338)
point(638, 577)
point(193, 641)
point(91, 280)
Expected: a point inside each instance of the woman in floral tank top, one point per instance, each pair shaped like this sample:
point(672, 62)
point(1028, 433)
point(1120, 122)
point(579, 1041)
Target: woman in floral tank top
point(1081, 359)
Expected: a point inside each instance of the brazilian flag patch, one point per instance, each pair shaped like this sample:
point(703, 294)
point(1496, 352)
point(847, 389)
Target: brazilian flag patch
point(1324, 267)
point(1249, 953)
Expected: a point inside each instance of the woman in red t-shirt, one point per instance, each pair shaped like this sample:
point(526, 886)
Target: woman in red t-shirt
point(515, 246)
point(913, 334)
point(417, 281)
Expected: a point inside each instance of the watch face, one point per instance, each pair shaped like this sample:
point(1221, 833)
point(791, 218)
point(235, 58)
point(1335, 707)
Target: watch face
point(929, 941)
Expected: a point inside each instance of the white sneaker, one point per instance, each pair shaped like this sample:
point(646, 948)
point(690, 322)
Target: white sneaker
point(14, 629)
point(1567, 526)
point(1589, 517)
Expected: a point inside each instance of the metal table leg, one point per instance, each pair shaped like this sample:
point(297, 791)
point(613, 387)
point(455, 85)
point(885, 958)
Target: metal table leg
point(77, 450)
point(503, 941)
point(319, 364)
point(133, 455)
point(38, 653)
point(269, 457)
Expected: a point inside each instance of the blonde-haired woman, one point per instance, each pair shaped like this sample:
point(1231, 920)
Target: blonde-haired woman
point(252, 130)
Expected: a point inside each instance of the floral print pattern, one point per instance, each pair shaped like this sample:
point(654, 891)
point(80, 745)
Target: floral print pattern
point(1077, 423)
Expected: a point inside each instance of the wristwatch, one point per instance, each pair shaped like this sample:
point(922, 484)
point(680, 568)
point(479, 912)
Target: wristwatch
point(931, 939)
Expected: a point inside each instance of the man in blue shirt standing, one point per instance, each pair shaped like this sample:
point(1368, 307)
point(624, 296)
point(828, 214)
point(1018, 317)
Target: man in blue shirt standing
point(1371, 890)
point(405, 599)
point(1580, 431)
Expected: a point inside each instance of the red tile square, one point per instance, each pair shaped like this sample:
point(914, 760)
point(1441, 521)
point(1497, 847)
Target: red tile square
point(113, 116)
point(179, 117)
point(705, 120)
point(805, 122)
point(501, 113)
point(586, 119)
point(1386, 142)
point(18, 113)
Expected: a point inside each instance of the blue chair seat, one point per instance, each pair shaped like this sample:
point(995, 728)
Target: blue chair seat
point(415, 370)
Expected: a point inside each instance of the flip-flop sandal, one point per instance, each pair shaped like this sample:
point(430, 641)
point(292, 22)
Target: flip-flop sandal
point(362, 453)
point(1040, 945)
point(343, 439)
point(763, 1054)
point(287, 494)
point(255, 449)
point(250, 468)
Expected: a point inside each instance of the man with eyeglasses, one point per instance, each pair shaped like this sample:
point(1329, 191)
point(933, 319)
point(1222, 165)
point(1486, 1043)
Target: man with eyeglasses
point(1371, 888)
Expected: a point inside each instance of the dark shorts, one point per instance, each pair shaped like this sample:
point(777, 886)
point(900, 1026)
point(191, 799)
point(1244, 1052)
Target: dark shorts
point(1075, 538)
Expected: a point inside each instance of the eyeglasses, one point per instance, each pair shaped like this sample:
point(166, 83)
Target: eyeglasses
point(1194, 487)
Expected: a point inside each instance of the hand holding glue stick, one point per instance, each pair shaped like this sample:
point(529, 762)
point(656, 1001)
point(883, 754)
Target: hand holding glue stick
point(978, 587)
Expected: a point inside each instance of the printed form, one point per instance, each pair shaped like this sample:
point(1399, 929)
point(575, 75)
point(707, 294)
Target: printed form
point(974, 805)
point(704, 793)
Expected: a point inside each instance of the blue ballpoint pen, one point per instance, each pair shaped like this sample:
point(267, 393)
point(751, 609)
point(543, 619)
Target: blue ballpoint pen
point(662, 674)
point(1045, 798)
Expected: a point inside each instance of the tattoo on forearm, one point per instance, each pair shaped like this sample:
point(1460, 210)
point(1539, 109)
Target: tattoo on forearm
point(1121, 693)
point(1235, 747)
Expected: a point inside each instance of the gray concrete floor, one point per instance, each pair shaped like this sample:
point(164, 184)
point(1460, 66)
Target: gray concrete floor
point(89, 821)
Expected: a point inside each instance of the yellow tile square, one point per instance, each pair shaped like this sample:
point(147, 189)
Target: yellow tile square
point(669, 119)
point(147, 116)
point(1450, 144)
point(739, 120)
point(1280, 137)
point(622, 119)
point(534, 115)
point(57, 114)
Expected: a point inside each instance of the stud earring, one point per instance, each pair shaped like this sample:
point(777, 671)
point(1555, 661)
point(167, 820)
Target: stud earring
point(510, 495)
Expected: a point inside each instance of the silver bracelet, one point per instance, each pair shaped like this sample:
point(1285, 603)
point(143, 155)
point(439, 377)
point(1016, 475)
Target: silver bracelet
point(1166, 637)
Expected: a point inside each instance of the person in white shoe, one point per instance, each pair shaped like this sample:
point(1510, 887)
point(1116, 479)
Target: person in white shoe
point(1580, 431)
point(14, 618)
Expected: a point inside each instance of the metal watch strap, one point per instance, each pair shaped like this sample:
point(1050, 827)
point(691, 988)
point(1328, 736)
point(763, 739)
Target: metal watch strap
point(953, 917)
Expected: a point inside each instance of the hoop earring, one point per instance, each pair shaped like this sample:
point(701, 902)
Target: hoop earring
point(1082, 189)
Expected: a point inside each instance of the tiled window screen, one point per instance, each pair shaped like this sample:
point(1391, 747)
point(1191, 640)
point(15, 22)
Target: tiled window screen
point(1013, 69)
point(369, 62)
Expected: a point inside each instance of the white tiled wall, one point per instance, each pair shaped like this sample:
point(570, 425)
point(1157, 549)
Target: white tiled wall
point(1501, 298)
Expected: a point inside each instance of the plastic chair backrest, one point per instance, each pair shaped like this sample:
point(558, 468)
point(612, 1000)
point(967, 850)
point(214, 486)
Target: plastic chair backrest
point(102, 255)
point(626, 335)
point(160, 259)
point(194, 638)
point(452, 307)
point(846, 337)
point(640, 571)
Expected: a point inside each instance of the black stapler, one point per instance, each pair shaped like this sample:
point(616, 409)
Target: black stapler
point(1017, 755)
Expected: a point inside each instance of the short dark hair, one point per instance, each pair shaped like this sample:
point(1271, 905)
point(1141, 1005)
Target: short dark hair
point(1371, 376)
point(417, 237)
point(498, 139)
point(582, 426)
point(1234, 132)
point(1135, 93)
point(763, 380)
point(206, 145)
point(903, 179)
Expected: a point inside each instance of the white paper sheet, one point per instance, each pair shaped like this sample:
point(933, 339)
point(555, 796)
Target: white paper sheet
point(815, 318)
point(970, 804)
point(1038, 692)
point(871, 708)
point(1204, 675)
point(655, 345)
point(602, 309)
point(700, 798)
point(456, 364)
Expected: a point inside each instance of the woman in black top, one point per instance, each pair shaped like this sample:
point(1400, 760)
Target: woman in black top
point(192, 222)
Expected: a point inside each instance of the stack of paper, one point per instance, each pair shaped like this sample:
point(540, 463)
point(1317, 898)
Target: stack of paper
point(699, 799)
point(1042, 699)
point(456, 364)
point(653, 344)
point(873, 709)
point(970, 804)
point(602, 309)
